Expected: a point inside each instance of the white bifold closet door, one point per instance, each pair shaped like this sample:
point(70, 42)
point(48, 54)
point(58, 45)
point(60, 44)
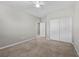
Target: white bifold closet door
point(66, 29)
point(54, 29)
point(61, 29)
point(42, 29)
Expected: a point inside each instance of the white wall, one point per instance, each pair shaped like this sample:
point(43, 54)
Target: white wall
point(76, 27)
point(70, 12)
point(16, 25)
point(58, 14)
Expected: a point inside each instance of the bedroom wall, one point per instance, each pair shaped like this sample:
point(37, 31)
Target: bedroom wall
point(76, 27)
point(16, 25)
point(70, 12)
point(57, 14)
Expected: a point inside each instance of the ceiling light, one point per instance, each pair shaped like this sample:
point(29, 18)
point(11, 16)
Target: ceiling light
point(37, 5)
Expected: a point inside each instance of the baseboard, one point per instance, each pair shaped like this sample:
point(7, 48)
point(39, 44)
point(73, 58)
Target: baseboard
point(76, 49)
point(10, 45)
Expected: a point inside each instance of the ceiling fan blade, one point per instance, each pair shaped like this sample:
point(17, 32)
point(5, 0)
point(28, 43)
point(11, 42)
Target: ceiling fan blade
point(38, 2)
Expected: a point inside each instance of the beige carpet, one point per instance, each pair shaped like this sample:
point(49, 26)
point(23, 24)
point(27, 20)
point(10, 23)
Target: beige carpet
point(40, 48)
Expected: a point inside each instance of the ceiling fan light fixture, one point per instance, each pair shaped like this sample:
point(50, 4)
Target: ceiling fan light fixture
point(37, 5)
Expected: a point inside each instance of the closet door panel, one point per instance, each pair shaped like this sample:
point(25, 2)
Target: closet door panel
point(54, 29)
point(66, 29)
point(61, 29)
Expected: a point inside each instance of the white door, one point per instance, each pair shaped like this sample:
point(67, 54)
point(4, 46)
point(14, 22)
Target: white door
point(66, 29)
point(61, 29)
point(54, 29)
point(42, 29)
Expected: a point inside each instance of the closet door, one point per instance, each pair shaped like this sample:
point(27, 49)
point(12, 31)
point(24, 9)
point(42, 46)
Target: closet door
point(66, 29)
point(61, 29)
point(42, 29)
point(54, 29)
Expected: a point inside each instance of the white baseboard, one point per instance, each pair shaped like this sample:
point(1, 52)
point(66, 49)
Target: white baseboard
point(76, 49)
point(10, 45)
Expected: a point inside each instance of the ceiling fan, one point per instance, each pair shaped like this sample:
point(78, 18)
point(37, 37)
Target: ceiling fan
point(38, 4)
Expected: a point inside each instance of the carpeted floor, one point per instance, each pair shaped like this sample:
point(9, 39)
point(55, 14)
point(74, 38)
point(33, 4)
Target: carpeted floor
point(40, 48)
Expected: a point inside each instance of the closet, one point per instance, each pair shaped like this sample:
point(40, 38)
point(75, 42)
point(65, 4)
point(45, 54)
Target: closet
point(61, 29)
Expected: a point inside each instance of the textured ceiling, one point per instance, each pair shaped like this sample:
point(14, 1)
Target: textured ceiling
point(48, 6)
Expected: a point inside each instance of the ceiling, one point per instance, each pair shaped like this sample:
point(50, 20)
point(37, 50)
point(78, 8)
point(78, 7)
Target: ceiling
point(48, 6)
